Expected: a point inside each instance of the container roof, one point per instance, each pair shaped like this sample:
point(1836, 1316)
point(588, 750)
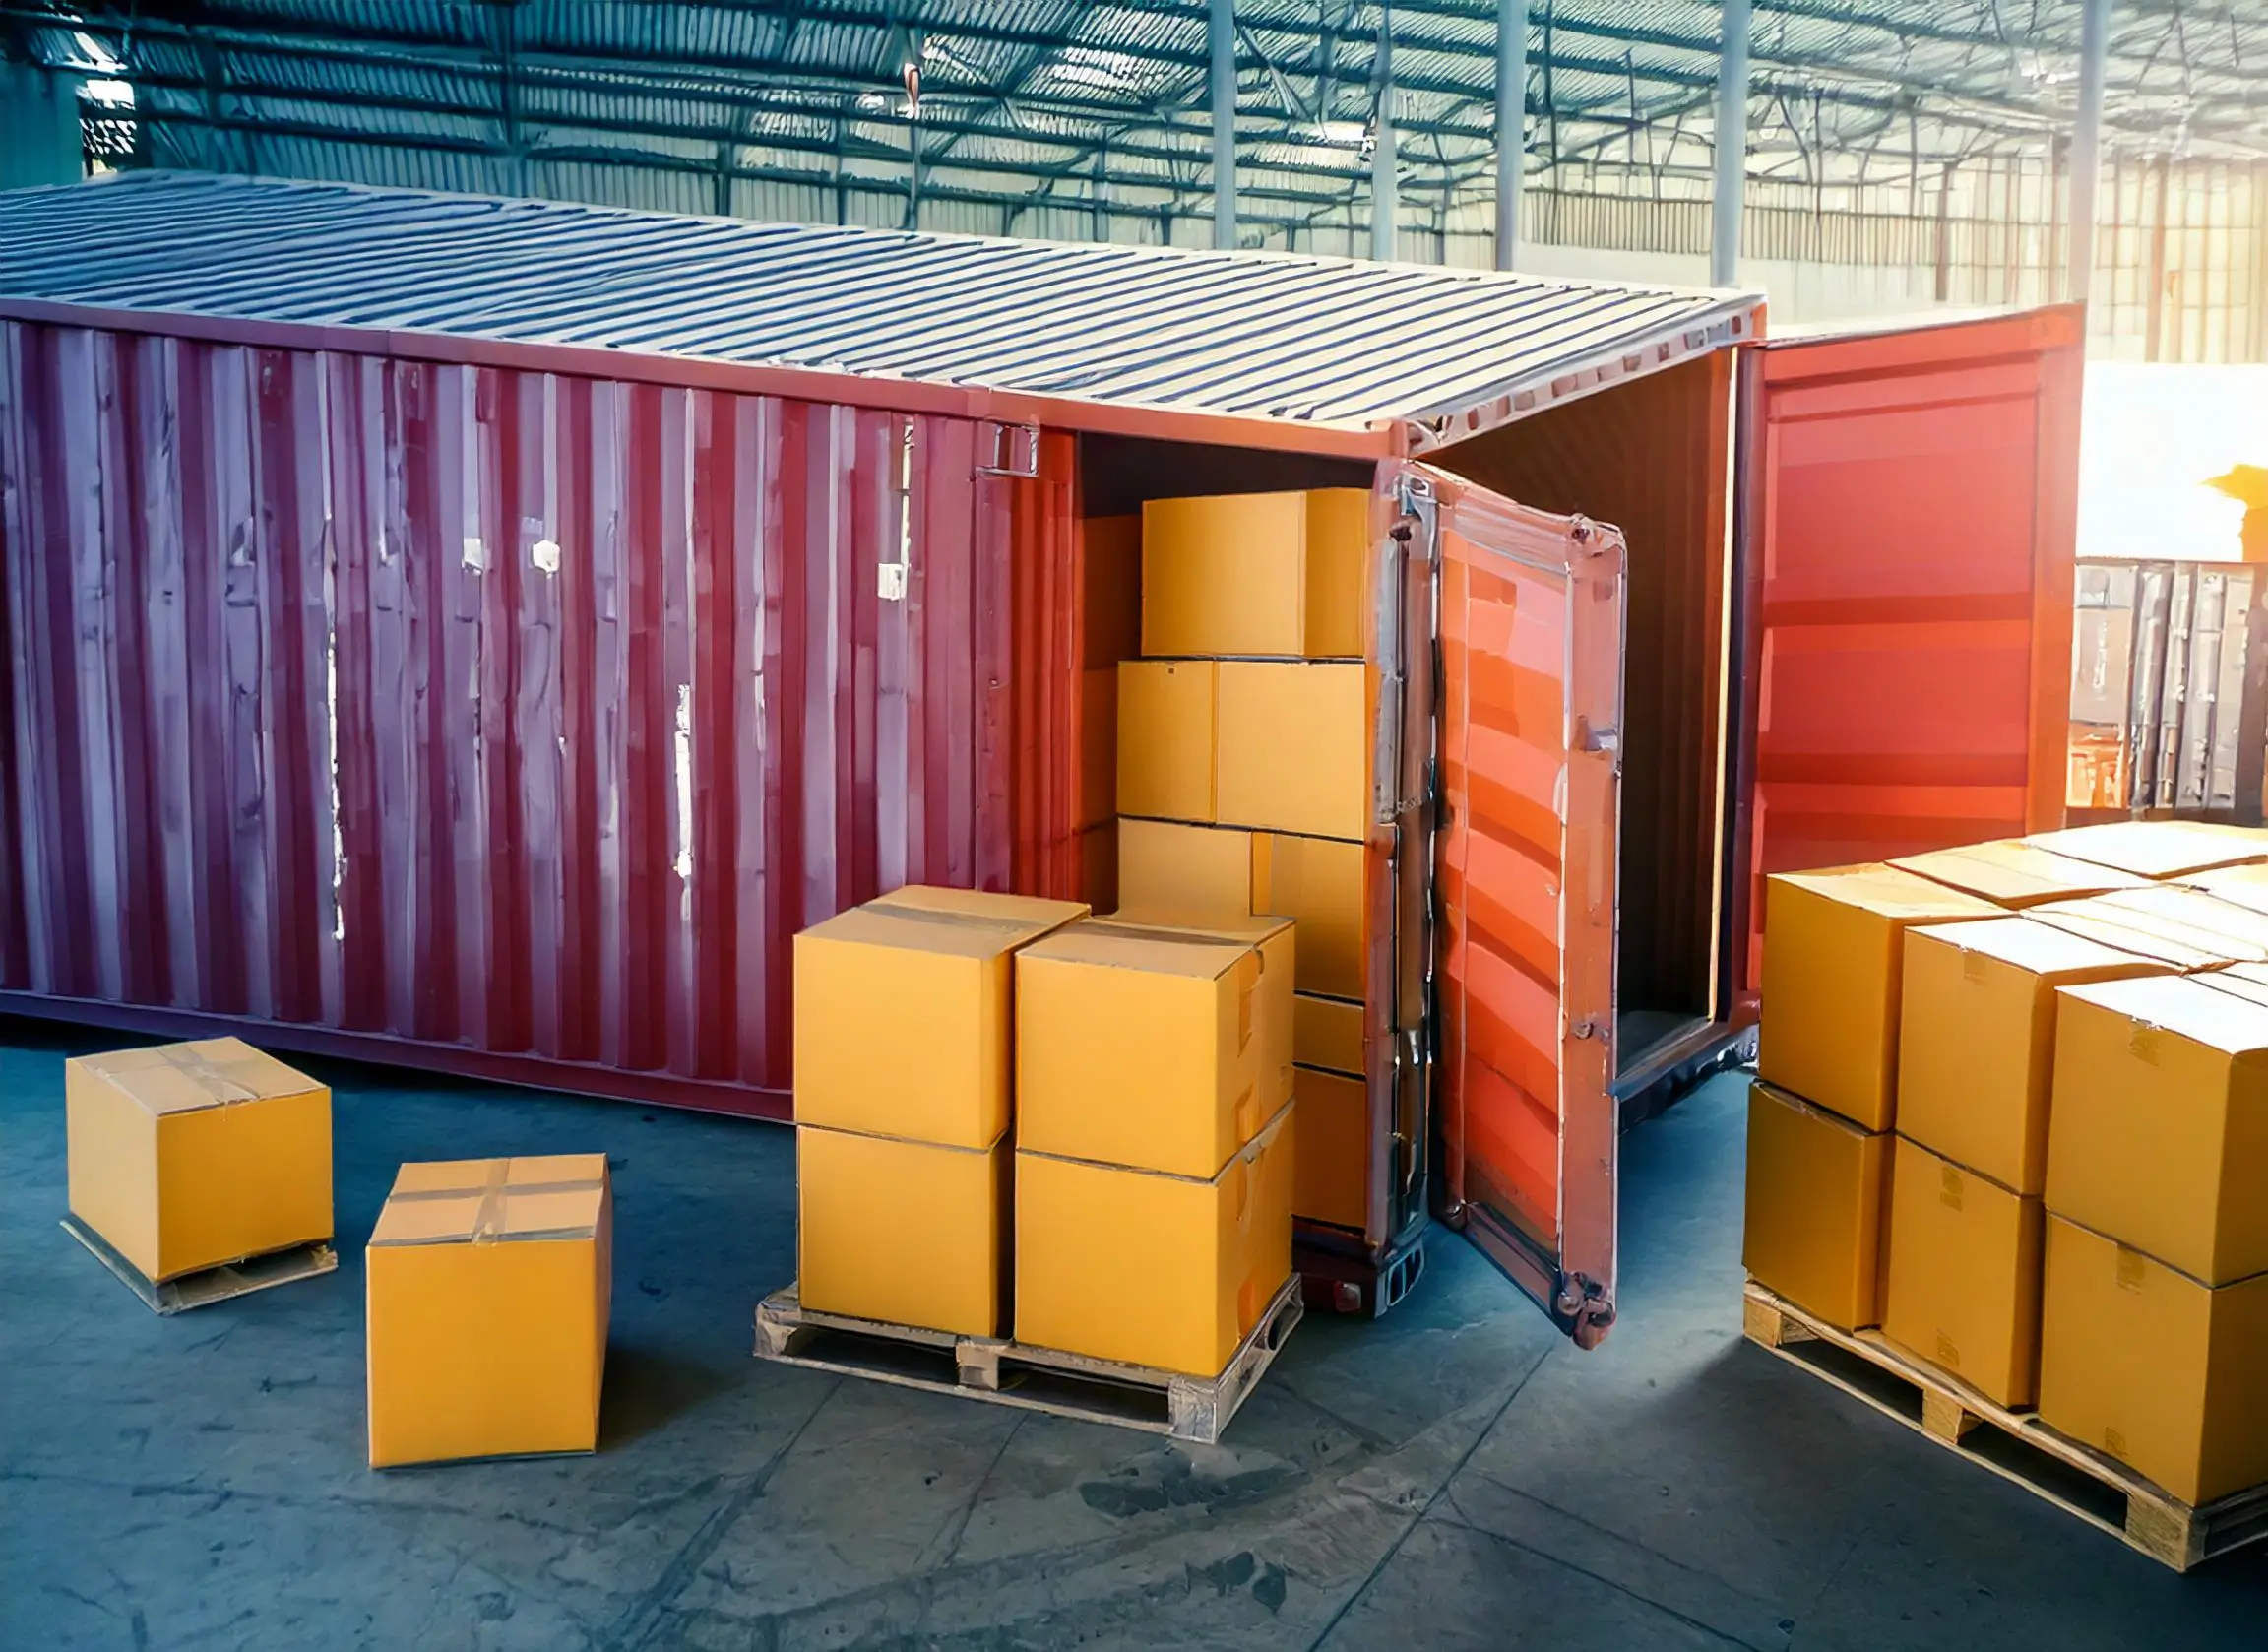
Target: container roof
point(1301, 339)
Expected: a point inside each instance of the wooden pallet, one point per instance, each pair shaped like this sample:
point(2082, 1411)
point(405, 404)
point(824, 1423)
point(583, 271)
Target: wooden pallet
point(1191, 1408)
point(2015, 1446)
point(208, 1285)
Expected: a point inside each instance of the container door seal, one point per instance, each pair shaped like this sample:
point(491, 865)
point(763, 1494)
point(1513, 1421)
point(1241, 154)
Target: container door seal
point(1908, 508)
point(1527, 741)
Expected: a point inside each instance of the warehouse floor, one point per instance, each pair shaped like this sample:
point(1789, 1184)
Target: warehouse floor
point(1454, 1475)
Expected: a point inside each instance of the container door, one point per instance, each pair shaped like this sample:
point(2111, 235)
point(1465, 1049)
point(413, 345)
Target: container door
point(1908, 513)
point(1529, 710)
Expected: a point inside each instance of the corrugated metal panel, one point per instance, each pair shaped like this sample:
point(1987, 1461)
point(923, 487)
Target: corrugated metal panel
point(519, 720)
point(1908, 522)
point(1272, 335)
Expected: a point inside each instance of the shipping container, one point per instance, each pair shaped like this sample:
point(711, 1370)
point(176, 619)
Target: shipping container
point(479, 634)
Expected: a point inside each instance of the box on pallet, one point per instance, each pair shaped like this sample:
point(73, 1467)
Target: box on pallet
point(489, 1284)
point(2160, 1135)
point(1255, 574)
point(1147, 1043)
point(905, 1231)
point(935, 963)
point(185, 1156)
point(2114, 926)
point(2235, 934)
point(1168, 739)
point(1977, 1039)
point(1170, 1272)
point(2014, 873)
point(1295, 748)
point(2157, 849)
point(1833, 973)
point(1964, 1275)
point(1332, 1183)
point(1817, 1186)
point(1220, 871)
point(2148, 1363)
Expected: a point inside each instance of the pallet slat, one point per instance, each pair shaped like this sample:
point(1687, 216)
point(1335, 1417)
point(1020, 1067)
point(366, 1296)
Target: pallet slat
point(2015, 1446)
point(210, 1285)
point(1007, 1373)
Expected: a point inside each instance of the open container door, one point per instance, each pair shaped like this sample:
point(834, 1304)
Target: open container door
point(1908, 522)
point(1528, 616)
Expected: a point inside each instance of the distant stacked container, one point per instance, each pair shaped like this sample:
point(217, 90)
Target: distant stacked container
point(1244, 752)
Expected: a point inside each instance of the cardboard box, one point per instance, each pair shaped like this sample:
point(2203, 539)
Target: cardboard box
point(2016, 874)
point(2193, 918)
point(1196, 873)
point(1168, 711)
point(185, 1156)
point(1160, 1046)
point(2138, 1360)
point(1834, 946)
point(1256, 574)
point(2160, 1135)
point(1165, 1271)
point(1201, 873)
point(1330, 1183)
point(1818, 1188)
point(1327, 1033)
point(2158, 849)
point(2113, 927)
point(1963, 1278)
point(488, 1285)
point(905, 1231)
point(1977, 1039)
point(901, 1013)
point(1295, 748)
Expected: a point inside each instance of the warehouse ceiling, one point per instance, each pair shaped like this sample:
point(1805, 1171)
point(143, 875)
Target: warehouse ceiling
point(1012, 106)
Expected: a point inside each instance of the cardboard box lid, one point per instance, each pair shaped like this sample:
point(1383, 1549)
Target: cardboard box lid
point(2185, 1006)
point(959, 923)
point(2115, 927)
point(2016, 873)
point(2157, 847)
point(170, 1078)
point(1158, 944)
point(2192, 916)
point(479, 1201)
point(1887, 892)
point(2040, 948)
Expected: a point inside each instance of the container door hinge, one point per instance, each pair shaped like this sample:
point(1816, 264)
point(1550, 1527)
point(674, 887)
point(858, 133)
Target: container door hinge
point(1587, 1310)
point(1588, 736)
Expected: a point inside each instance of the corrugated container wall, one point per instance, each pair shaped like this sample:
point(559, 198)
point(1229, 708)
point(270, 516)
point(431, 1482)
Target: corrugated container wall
point(518, 715)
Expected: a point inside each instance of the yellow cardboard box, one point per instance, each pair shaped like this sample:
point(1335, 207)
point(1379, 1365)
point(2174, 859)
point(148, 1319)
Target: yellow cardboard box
point(1963, 1285)
point(905, 1231)
point(1327, 1033)
point(1833, 971)
point(2160, 1134)
point(1205, 872)
point(2158, 849)
point(1165, 1047)
point(184, 1156)
point(2114, 926)
point(2014, 873)
point(489, 1284)
point(1330, 1183)
point(1255, 574)
point(1295, 748)
point(1977, 1039)
point(1168, 714)
point(1165, 1271)
point(2141, 1360)
point(1818, 1187)
point(901, 1013)
point(2191, 916)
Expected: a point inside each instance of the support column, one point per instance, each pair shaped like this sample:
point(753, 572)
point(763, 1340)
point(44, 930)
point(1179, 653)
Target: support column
point(1385, 196)
point(1511, 125)
point(2087, 145)
point(1732, 146)
point(1220, 27)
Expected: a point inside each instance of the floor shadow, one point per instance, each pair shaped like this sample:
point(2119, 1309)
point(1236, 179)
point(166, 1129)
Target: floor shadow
point(647, 1388)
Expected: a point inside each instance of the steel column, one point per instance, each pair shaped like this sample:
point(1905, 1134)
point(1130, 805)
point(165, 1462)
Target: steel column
point(1220, 30)
point(1732, 146)
point(1511, 125)
point(2087, 144)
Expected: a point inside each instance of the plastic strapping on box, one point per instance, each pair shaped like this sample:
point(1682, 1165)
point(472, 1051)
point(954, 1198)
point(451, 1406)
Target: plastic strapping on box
point(995, 923)
point(1972, 966)
point(486, 1219)
point(1194, 936)
point(2133, 1268)
point(1949, 1187)
point(2143, 1045)
point(495, 1190)
point(210, 1075)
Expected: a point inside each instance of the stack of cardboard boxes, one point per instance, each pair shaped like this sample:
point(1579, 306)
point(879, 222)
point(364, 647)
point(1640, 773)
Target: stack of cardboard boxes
point(1013, 1120)
point(2007, 1099)
point(1244, 753)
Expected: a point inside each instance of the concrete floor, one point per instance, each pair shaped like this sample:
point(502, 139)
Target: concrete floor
point(1454, 1475)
